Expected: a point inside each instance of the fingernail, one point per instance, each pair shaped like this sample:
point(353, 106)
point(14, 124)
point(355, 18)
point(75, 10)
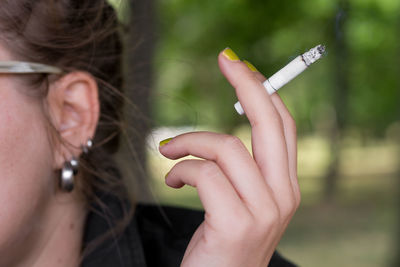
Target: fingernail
point(250, 66)
point(229, 54)
point(164, 142)
point(166, 175)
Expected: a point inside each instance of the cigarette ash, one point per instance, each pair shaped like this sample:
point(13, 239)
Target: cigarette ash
point(313, 54)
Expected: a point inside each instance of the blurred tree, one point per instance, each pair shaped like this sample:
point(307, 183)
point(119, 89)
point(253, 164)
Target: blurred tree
point(190, 88)
point(396, 258)
point(339, 98)
point(138, 83)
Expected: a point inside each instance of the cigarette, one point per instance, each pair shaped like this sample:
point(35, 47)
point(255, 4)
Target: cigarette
point(289, 72)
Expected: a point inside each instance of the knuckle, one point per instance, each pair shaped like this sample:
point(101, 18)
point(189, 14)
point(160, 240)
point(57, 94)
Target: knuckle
point(271, 218)
point(298, 200)
point(272, 121)
point(289, 207)
point(208, 169)
point(231, 141)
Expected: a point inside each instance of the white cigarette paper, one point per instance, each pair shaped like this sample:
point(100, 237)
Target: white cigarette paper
point(289, 72)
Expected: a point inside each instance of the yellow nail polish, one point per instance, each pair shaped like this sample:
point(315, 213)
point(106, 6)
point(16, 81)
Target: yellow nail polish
point(166, 141)
point(250, 66)
point(229, 54)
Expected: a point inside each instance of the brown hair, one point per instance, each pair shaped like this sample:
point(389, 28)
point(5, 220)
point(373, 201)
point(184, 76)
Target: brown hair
point(75, 35)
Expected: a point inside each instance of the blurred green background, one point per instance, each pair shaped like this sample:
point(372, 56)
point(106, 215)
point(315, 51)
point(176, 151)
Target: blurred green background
point(346, 106)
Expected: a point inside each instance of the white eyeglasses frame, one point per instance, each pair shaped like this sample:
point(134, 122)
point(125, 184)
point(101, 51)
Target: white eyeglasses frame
point(21, 67)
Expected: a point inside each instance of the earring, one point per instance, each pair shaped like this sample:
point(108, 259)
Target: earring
point(70, 169)
point(75, 165)
point(89, 145)
point(68, 172)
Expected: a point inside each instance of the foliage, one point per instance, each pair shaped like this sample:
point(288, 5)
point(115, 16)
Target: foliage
point(190, 89)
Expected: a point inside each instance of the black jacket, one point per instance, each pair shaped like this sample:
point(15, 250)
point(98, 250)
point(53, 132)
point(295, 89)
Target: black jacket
point(157, 236)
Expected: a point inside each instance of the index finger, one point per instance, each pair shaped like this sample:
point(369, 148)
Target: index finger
point(268, 139)
point(289, 127)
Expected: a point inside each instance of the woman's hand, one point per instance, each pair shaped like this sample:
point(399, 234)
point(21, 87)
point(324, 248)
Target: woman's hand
point(248, 200)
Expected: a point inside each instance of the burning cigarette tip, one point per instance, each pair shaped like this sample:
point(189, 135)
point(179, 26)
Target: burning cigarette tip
point(321, 49)
point(313, 54)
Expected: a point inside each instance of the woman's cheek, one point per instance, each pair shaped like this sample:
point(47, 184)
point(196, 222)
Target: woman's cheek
point(25, 175)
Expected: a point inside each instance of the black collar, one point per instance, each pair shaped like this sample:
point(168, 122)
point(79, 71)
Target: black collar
point(123, 249)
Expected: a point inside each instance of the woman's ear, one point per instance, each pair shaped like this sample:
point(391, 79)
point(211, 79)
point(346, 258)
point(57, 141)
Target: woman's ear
point(74, 110)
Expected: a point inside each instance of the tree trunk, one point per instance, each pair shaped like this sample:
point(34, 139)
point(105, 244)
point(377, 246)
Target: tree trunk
point(396, 241)
point(139, 49)
point(340, 102)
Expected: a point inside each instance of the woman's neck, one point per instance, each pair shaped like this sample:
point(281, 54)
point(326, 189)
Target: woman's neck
point(58, 241)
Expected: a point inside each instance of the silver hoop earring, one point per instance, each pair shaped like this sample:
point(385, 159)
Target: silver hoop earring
point(88, 146)
point(68, 173)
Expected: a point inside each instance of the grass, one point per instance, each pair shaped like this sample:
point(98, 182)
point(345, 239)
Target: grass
point(357, 230)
